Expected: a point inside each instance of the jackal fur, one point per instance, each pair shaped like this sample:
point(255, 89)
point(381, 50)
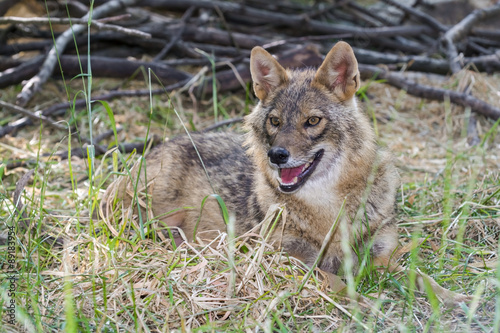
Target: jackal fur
point(308, 147)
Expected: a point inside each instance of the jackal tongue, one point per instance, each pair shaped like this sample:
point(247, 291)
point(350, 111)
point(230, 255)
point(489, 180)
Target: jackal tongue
point(288, 175)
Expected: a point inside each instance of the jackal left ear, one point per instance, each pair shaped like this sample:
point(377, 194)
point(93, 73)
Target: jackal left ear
point(267, 73)
point(339, 72)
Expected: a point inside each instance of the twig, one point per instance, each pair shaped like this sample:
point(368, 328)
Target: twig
point(416, 63)
point(58, 20)
point(22, 72)
point(102, 67)
point(460, 30)
point(221, 37)
point(227, 80)
point(422, 17)
point(280, 42)
point(81, 103)
point(20, 47)
point(107, 134)
point(35, 116)
point(488, 63)
point(222, 123)
point(125, 148)
point(412, 88)
point(361, 9)
point(177, 35)
point(120, 68)
point(32, 86)
point(298, 22)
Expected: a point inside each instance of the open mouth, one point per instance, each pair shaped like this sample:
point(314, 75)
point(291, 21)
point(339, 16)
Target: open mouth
point(292, 178)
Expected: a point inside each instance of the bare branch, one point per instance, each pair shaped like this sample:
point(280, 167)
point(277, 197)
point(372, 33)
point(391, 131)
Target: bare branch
point(122, 147)
point(32, 86)
point(58, 20)
point(412, 88)
point(462, 29)
point(80, 103)
point(298, 22)
point(36, 116)
point(222, 123)
point(421, 16)
point(177, 35)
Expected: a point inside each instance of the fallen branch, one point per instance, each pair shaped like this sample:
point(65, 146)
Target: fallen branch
point(20, 73)
point(460, 30)
point(8, 62)
point(36, 116)
point(59, 108)
point(177, 35)
point(101, 67)
point(107, 134)
point(223, 123)
point(34, 84)
point(100, 150)
point(300, 57)
point(416, 63)
point(412, 88)
point(297, 22)
point(421, 16)
point(7, 49)
point(121, 68)
point(488, 63)
point(58, 20)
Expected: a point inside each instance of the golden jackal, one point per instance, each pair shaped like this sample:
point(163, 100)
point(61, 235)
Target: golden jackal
point(308, 147)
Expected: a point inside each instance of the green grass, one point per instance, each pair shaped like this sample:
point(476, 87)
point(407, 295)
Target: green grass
point(134, 281)
point(125, 277)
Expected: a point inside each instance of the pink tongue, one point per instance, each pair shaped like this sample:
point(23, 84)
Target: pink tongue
point(287, 175)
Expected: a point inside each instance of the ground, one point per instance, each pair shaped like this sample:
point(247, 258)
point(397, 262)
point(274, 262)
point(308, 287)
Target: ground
point(447, 211)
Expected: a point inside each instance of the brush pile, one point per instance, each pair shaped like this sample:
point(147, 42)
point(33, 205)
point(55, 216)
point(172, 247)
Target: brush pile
point(169, 36)
point(119, 275)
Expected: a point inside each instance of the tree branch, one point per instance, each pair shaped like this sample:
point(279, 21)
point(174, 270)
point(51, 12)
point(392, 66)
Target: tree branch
point(36, 116)
point(58, 20)
point(81, 103)
point(412, 88)
point(462, 29)
point(421, 16)
point(34, 84)
point(297, 22)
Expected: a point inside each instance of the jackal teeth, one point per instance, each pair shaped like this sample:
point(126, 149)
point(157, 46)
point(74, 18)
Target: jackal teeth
point(295, 180)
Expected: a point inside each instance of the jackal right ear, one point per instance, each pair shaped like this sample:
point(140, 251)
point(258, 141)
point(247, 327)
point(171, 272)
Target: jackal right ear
point(267, 73)
point(339, 72)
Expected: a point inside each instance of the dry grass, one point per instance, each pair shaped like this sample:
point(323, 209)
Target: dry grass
point(108, 282)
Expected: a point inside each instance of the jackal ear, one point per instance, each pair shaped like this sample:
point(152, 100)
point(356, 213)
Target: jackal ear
point(339, 72)
point(267, 73)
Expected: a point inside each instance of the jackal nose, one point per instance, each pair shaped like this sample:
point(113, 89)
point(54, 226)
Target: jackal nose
point(278, 155)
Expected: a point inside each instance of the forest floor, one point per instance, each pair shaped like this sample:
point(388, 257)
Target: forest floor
point(449, 200)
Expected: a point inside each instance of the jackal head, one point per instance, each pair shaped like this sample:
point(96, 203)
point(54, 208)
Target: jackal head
point(305, 119)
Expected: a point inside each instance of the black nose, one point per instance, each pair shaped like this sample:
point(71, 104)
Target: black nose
point(278, 155)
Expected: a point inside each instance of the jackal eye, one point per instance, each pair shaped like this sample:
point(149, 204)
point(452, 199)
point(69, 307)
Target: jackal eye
point(313, 121)
point(274, 121)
